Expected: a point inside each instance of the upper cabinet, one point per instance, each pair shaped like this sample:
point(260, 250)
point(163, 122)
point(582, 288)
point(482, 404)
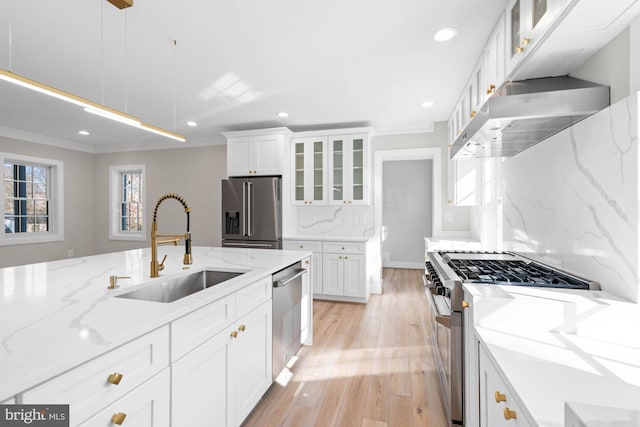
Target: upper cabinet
point(527, 22)
point(331, 167)
point(493, 60)
point(257, 152)
point(349, 169)
point(309, 170)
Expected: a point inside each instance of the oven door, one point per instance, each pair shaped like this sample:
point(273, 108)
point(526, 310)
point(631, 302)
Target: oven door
point(446, 338)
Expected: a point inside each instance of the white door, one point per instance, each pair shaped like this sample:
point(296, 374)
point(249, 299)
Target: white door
point(252, 350)
point(201, 384)
point(354, 276)
point(238, 155)
point(333, 274)
point(266, 155)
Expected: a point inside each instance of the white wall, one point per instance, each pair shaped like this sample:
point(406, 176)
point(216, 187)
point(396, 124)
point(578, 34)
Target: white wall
point(407, 211)
point(79, 202)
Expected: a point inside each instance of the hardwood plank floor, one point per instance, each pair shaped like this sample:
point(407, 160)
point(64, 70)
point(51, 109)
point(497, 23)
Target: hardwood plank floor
point(370, 366)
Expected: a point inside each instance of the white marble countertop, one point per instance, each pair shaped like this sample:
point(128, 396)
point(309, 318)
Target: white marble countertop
point(324, 238)
point(562, 349)
point(57, 315)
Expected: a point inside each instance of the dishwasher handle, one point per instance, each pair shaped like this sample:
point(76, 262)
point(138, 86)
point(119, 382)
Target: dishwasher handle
point(280, 283)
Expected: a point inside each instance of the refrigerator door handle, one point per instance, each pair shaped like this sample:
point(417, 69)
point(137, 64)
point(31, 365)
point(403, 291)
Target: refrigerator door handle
point(244, 208)
point(249, 210)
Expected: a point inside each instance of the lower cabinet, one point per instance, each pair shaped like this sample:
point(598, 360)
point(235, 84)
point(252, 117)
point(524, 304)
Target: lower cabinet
point(221, 381)
point(471, 375)
point(344, 275)
point(148, 405)
point(497, 405)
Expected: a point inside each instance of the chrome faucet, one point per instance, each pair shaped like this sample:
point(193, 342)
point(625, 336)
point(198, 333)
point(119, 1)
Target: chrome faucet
point(157, 267)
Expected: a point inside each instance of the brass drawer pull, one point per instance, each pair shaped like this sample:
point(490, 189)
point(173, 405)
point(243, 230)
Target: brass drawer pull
point(500, 397)
point(115, 378)
point(234, 334)
point(509, 414)
point(242, 328)
point(118, 418)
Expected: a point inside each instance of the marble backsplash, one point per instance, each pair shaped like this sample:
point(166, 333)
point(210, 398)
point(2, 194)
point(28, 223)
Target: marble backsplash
point(571, 200)
point(347, 221)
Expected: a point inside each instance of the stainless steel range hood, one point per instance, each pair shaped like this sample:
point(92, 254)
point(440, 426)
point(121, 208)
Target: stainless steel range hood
point(523, 113)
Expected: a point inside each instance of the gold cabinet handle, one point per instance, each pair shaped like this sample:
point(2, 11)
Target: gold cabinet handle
point(343, 248)
point(500, 397)
point(242, 328)
point(350, 201)
point(346, 257)
point(307, 262)
point(310, 202)
point(525, 41)
point(115, 378)
point(340, 257)
point(519, 49)
point(344, 201)
point(305, 202)
point(118, 418)
point(472, 114)
point(465, 304)
point(234, 334)
point(459, 132)
point(492, 87)
point(301, 247)
point(509, 414)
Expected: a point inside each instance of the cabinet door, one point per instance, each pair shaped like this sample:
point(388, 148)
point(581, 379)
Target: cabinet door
point(354, 276)
point(358, 176)
point(306, 305)
point(202, 386)
point(146, 406)
point(493, 60)
point(464, 180)
point(309, 171)
point(316, 269)
point(471, 374)
point(337, 169)
point(238, 157)
point(253, 359)
point(266, 155)
point(516, 32)
point(333, 274)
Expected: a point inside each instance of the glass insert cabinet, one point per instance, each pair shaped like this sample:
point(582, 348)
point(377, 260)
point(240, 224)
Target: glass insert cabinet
point(330, 169)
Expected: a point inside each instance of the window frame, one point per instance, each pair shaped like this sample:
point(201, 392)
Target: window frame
point(56, 201)
point(115, 190)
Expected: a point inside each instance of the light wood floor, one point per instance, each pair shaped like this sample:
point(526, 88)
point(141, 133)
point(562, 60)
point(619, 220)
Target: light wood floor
point(371, 365)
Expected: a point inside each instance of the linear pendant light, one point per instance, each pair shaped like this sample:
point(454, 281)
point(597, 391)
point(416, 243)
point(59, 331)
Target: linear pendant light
point(89, 106)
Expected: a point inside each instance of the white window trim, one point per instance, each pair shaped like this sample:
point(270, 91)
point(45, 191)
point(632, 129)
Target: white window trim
point(56, 202)
point(114, 204)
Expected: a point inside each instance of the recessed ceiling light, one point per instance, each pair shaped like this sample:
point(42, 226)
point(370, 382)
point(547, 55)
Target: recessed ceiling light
point(283, 114)
point(444, 34)
point(83, 132)
point(192, 123)
point(427, 104)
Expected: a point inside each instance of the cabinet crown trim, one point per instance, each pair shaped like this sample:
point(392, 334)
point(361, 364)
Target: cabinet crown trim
point(328, 132)
point(257, 132)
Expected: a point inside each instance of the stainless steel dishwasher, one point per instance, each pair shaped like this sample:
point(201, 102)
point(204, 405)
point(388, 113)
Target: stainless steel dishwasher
point(287, 297)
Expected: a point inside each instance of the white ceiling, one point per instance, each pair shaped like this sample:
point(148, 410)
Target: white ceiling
point(330, 63)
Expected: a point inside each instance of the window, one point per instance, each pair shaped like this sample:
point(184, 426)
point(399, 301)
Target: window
point(127, 203)
point(32, 200)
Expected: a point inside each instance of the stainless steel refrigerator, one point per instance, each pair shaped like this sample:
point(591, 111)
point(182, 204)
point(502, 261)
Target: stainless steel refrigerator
point(252, 212)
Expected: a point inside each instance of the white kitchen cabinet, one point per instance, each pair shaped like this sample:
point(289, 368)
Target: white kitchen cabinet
point(306, 305)
point(527, 22)
point(148, 405)
point(309, 171)
point(497, 403)
point(471, 374)
point(474, 89)
point(202, 384)
point(91, 386)
point(344, 269)
point(349, 169)
point(252, 351)
point(257, 152)
point(315, 247)
point(493, 60)
point(464, 182)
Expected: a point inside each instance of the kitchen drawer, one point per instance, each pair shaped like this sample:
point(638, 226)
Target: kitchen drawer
point(148, 405)
point(87, 388)
point(302, 245)
point(252, 296)
point(344, 247)
point(190, 331)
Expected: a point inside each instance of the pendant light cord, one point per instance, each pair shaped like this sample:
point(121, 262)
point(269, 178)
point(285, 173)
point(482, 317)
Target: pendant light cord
point(175, 81)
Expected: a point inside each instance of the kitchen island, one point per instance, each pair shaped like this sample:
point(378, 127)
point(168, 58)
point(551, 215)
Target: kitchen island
point(58, 316)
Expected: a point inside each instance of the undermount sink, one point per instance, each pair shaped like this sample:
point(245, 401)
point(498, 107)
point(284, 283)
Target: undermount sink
point(173, 289)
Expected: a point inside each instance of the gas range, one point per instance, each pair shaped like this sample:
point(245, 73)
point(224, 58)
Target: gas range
point(445, 272)
point(496, 268)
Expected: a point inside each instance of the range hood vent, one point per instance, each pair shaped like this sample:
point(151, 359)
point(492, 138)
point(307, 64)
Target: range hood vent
point(523, 113)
